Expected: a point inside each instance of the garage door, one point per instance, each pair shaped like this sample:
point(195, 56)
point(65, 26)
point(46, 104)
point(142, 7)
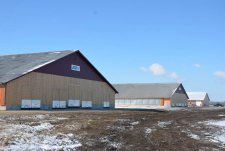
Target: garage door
point(26, 104)
point(87, 104)
point(58, 104)
point(35, 104)
point(73, 103)
point(30, 104)
point(106, 104)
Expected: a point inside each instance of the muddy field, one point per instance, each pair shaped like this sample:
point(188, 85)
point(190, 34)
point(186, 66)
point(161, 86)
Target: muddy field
point(113, 130)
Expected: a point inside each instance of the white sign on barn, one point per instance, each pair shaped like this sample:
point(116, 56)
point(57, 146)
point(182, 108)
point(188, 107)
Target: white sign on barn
point(75, 68)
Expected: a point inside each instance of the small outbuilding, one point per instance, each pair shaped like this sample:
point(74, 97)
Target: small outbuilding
point(53, 80)
point(198, 99)
point(150, 95)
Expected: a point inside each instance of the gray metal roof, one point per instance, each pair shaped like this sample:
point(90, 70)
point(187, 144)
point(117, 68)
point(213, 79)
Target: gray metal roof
point(14, 66)
point(146, 91)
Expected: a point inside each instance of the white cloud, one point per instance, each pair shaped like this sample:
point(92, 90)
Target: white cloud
point(220, 74)
point(174, 75)
point(144, 69)
point(197, 65)
point(157, 69)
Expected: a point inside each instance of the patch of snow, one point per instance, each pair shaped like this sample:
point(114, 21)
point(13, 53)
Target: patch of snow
point(221, 138)
point(221, 115)
point(115, 145)
point(74, 127)
point(112, 144)
point(148, 131)
point(219, 135)
point(41, 117)
point(62, 118)
point(123, 120)
point(194, 136)
point(217, 123)
point(164, 124)
point(135, 123)
point(191, 135)
point(28, 128)
point(214, 141)
point(1, 120)
point(44, 142)
point(37, 137)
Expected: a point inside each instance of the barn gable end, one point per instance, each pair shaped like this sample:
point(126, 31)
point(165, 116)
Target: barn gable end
point(63, 67)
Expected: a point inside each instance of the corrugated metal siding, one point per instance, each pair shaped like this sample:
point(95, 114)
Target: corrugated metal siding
point(46, 87)
point(179, 98)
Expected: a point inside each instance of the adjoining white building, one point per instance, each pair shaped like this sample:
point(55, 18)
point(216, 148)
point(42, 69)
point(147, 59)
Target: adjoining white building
point(198, 99)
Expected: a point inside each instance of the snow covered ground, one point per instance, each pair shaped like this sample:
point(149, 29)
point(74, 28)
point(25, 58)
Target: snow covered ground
point(218, 136)
point(112, 130)
point(164, 124)
point(35, 136)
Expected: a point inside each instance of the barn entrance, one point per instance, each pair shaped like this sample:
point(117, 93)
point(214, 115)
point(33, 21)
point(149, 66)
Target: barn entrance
point(2, 95)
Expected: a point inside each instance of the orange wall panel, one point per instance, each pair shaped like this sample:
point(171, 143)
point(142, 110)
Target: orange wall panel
point(166, 102)
point(2, 96)
point(162, 102)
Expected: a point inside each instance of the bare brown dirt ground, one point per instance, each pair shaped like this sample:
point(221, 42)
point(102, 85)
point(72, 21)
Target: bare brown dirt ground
point(123, 130)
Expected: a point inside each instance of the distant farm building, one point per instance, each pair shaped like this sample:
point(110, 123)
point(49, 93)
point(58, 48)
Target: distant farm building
point(150, 95)
point(198, 99)
point(53, 80)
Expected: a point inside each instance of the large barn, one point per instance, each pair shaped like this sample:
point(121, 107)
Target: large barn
point(198, 99)
point(150, 95)
point(53, 80)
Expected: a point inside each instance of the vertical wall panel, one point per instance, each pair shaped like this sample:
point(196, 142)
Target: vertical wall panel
point(46, 87)
point(2, 95)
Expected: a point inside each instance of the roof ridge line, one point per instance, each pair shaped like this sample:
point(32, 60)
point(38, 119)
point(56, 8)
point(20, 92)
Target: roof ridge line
point(51, 51)
point(142, 83)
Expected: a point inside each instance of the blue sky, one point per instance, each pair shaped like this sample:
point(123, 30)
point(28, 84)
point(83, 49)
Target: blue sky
point(129, 41)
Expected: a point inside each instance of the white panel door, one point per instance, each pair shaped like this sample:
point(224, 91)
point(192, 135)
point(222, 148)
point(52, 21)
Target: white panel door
point(36, 104)
point(74, 103)
point(89, 103)
point(106, 104)
point(56, 104)
point(62, 104)
point(86, 104)
point(26, 104)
